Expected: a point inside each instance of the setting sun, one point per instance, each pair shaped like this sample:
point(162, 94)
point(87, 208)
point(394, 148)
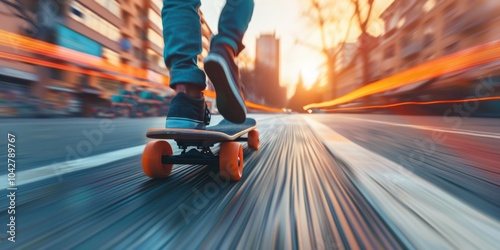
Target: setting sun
point(310, 76)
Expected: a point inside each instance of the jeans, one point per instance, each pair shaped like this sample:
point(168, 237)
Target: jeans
point(182, 35)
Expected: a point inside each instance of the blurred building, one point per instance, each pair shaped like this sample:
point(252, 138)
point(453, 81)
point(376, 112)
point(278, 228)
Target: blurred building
point(16, 78)
point(422, 30)
point(350, 67)
point(417, 31)
point(346, 55)
point(267, 70)
point(126, 34)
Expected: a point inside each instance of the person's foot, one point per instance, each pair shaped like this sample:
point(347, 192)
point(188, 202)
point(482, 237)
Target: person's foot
point(223, 72)
point(188, 112)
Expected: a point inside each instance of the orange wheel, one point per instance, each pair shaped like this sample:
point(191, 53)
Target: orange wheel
point(151, 159)
point(253, 139)
point(231, 160)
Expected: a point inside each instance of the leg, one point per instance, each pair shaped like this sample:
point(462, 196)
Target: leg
point(233, 23)
point(219, 64)
point(182, 36)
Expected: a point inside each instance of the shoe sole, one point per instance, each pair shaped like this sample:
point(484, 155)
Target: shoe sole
point(229, 101)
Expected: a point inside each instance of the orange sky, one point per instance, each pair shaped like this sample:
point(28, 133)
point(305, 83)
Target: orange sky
point(286, 18)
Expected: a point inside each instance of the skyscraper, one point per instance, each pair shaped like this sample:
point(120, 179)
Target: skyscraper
point(267, 70)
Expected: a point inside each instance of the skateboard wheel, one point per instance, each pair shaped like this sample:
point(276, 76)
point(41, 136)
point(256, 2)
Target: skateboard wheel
point(253, 139)
point(151, 159)
point(231, 160)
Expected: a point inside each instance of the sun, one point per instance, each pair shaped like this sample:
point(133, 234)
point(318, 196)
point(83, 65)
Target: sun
point(309, 76)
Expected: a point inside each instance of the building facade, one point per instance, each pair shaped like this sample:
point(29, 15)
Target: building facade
point(267, 70)
point(419, 31)
point(124, 34)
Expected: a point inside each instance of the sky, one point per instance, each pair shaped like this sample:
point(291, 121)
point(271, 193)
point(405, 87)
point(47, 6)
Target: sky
point(288, 20)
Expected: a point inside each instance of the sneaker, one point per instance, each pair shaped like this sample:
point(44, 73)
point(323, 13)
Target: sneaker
point(224, 74)
point(188, 112)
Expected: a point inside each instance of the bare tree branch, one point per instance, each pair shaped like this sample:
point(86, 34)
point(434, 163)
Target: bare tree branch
point(19, 10)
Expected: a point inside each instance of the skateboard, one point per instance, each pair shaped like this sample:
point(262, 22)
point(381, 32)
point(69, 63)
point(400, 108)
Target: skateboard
point(158, 157)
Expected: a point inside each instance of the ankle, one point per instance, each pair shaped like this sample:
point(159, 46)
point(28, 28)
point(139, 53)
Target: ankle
point(189, 89)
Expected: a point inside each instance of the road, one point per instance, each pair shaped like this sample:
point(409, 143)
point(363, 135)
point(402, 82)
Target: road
point(319, 181)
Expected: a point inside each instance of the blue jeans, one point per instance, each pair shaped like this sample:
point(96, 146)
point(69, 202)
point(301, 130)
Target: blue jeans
point(182, 35)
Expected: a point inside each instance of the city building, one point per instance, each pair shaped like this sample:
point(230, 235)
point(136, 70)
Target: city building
point(267, 70)
point(346, 55)
point(124, 36)
point(349, 74)
point(422, 30)
point(419, 31)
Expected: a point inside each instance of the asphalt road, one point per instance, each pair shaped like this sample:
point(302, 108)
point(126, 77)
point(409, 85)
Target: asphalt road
point(297, 192)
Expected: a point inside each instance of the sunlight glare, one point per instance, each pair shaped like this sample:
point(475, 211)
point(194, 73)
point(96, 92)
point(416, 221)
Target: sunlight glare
point(309, 76)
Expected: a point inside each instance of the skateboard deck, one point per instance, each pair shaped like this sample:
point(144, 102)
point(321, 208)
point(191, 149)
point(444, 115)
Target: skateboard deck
point(224, 131)
point(158, 157)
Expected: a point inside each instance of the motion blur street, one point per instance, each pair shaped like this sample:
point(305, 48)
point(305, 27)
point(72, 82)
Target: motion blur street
point(379, 124)
point(320, 181)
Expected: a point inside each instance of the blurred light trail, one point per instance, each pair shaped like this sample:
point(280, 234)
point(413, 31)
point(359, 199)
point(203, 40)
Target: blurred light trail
point(415, 103)
point(75, 69)
point(455, 62)
point(12, 40)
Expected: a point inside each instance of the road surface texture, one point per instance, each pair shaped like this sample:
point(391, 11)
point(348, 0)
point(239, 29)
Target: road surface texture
point(319, 181)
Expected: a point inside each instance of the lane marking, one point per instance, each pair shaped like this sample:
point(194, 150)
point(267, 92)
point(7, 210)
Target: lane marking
point(452, 131)
point(415, 208)
point(56, 170)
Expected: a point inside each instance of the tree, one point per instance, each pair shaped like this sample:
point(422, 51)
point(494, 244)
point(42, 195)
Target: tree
point(327, 17)
point(303, 96)
point(19, 10)
point(299, 98)
point(363, 21)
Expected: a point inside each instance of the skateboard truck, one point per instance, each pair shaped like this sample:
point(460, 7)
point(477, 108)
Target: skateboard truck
point(193, 156)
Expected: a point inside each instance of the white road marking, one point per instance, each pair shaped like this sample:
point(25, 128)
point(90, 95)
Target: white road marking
point(437, 129)
point(425, 215)
point(57, 170)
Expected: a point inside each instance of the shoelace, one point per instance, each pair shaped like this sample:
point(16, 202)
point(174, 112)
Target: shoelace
point(208, 115)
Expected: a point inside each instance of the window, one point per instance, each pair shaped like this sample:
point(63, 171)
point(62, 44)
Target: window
point(56, 74)
point(93, 21)
point(429, 30)
point(111, 56)
point(155, 38)
point(126, 19)
point(138, 53)
point(112, 5)
point(139, 32)
point(154, 18)
point(429, 5)
point(138, 10)
point(158, 3)
point(453, 47)
point(155, 58)
point(83, 79)
point(401, 22)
